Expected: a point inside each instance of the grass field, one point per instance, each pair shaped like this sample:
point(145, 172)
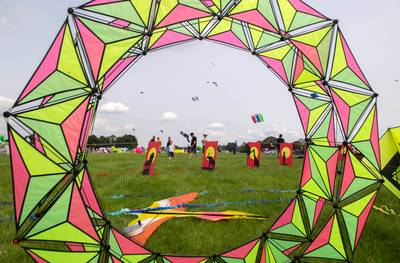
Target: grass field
point(120, 174)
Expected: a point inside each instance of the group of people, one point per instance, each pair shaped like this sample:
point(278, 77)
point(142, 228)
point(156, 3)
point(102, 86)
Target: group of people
point(170, 146)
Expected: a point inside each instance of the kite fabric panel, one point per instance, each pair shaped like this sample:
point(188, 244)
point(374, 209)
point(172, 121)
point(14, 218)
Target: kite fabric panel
point(54, 198)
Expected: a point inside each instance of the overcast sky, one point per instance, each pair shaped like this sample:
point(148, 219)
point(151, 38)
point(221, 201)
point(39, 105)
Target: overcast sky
point(171, 77)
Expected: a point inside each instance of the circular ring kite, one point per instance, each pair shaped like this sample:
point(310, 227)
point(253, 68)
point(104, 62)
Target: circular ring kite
point(58, 215)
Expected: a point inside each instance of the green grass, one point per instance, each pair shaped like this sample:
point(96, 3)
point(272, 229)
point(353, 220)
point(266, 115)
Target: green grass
point(190, 236)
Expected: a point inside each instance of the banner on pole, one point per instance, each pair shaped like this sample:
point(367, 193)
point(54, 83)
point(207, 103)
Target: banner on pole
point(254, 154)
point(286, 154)
point(151, 158)
point(210, 155)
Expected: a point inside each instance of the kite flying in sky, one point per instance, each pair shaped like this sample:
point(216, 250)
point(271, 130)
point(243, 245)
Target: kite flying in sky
point(257, 118)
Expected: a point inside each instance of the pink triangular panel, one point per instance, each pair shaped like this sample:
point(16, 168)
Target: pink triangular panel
point(254, 17)
point(229, 38)
point(331, 168)
point(362, 219)
point(302, 7)
point(120, 23)
point(351, 61)
point(116, 260)
point(89, 196)
point(348, 176)
point(181, 13)
point(375, 138)
point(93, 45)
point(290, 250)
point(303, 112)
point(86, 128)
point(116, 70)
point(242, 251)
point(322, 238)
point(75, 247)
point(318, 209)
point(72, 128)
point(306, 170)
point(331, 132)
point(38, 145)
point(36, 257)
point(277, 66)
point(311, 53)
point(20, 177)
point(45, 100)
point(170, 37)
point(185, 259)
point(78, 215)
point(299, 67)
point(99, 2)
point(48, 65)
point(128, 246)
point(286, 217)
point(343, 109)
point(207, 3)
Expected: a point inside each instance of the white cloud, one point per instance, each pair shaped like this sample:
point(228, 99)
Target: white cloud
point(114, 107)
point(3, 21)
point(169, 116)
point(216, 125)
point(5, 103)
point(103, 126)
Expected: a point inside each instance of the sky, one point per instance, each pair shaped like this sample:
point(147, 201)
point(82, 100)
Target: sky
point(156, 93)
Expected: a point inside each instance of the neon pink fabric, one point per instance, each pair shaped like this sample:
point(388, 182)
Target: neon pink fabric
point(362, 219)
point(38, 145)
point(75, 247)
point(20, 175)
point(116, 70)
point(318, 208)
point(306, 175)
point(181, 13)
point(348, 176)
point(242, 251)
point(89, 196)
point(277, 66)
point(185, 260)
point(229, 38)
point(304, 113)
point(286, 217)
point(71, 128)
point(343, 109)
point(375, 138)
point(311, 53)
point(86, 128)
point(170, 37)
point(331, 168)
point(304, 8)
point(120, 23)
point(48, 65)
point(322, 238)
point(254, 17)
point(36, 257)
point(78, 215)
point(128, 246)
point(93, 45)
point(99, 2)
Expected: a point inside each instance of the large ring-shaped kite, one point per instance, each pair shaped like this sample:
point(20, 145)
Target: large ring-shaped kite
point(58, 215)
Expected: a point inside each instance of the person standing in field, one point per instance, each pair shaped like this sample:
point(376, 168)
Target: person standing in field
point(159, 144)
point(278, 143)
point(170, 149)
point(153, 139)
point(193, 145)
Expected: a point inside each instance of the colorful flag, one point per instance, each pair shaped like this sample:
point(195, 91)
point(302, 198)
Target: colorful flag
point(286, 154)
point(254, 154)
point(151, 158)
point(257, 118)
point(210, 154)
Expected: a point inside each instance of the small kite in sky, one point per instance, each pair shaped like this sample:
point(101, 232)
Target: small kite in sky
point(141, 92)
point(195, 99)
point(257, 118)
point(213, 82)
point(162, 131)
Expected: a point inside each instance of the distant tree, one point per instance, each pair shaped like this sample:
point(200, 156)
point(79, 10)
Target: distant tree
point(268, 142)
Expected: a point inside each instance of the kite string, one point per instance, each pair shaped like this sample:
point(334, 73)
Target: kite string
point(205, 192)
point(127, 211)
